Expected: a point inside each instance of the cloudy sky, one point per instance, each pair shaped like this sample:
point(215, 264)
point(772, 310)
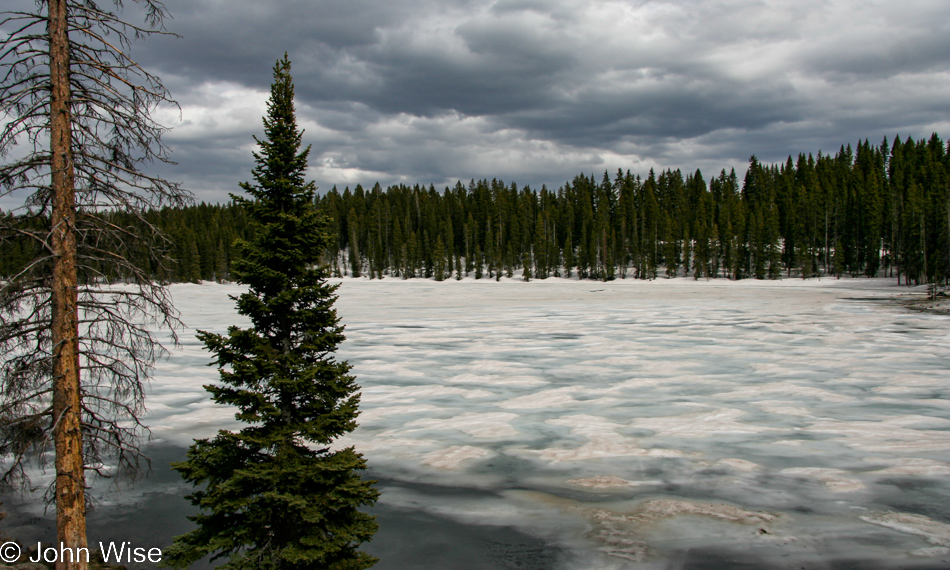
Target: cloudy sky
point(536, 91)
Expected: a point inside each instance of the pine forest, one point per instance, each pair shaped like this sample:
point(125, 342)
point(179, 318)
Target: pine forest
point(867, 211)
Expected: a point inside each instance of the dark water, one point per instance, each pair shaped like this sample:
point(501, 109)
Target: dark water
point(406, 538)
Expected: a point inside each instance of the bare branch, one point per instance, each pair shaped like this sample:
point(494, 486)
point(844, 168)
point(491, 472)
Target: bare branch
point(113, 135)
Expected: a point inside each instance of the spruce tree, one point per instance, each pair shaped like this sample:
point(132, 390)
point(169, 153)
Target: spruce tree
point(275, 495)
point(440, 265)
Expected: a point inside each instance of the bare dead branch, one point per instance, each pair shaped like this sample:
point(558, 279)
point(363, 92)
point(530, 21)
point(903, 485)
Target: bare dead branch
point(114, 135)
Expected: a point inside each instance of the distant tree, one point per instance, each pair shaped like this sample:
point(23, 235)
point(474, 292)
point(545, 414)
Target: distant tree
point(568, 255)
point(440, 268)
point(478, 262)
point(76, 351)
point(274, 495)
point(356, 260)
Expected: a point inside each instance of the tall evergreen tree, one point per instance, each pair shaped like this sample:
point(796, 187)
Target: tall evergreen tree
point(274, 495)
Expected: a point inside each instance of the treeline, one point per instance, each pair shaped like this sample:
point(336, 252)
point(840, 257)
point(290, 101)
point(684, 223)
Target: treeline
point(869, 210)
point(197, 243)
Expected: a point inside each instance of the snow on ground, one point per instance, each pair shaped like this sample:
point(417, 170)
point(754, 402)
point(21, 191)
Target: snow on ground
point(816, 401)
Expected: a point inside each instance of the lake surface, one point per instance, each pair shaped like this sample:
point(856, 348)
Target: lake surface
point(567, 424)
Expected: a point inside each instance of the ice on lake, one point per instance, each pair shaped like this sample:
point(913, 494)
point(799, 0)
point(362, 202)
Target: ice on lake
point(664, 424)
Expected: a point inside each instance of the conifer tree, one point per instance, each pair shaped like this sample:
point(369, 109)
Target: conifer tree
point(478, 262)
point(568, 255)
point(439, 265)
point(275, 495)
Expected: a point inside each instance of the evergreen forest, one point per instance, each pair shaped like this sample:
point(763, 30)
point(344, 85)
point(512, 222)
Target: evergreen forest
point(870, 210)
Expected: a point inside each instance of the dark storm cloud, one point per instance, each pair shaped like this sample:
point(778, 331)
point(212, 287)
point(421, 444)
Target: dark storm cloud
point(478, 70)
point(234, 40)
point(677, 107)
point(536, 91)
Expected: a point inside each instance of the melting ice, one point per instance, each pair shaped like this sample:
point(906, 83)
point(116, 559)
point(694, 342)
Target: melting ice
point(666, 424)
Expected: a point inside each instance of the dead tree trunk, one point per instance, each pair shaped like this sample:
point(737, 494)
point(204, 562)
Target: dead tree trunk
point(67, 405)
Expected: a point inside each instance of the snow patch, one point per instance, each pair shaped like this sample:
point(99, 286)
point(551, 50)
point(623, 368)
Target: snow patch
point(701, 424)
point(739, 465)
point(912, 466)
point(835, 479)
point(490, 425)
point(937, 533)
point(453, 457)
point(609, 482)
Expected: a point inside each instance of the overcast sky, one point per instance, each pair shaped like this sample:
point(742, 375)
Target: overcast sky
point(536, 91)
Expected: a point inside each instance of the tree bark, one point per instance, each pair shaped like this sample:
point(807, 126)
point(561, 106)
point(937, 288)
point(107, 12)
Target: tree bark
point(67, 410)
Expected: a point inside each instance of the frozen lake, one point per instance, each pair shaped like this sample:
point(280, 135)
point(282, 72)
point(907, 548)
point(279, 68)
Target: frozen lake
point(666, 424)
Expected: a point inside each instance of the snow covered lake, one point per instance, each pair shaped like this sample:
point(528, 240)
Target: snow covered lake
point(666, 424)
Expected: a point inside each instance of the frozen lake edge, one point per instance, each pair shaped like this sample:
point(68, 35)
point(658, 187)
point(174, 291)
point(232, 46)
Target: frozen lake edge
point(576, 411)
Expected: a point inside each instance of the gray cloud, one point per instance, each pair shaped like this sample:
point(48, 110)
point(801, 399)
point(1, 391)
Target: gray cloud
point(536, 91)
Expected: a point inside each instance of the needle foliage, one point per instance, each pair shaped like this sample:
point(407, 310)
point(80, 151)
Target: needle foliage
point(276, 494)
